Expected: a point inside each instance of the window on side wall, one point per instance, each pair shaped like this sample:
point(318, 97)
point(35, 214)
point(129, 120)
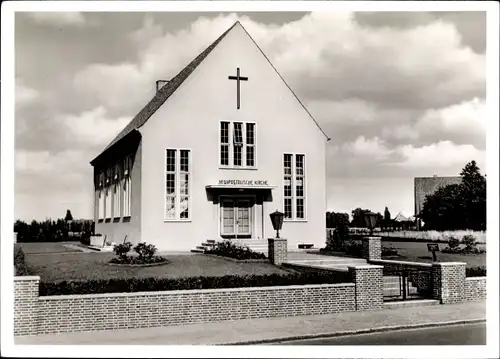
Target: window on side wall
point(127, 187)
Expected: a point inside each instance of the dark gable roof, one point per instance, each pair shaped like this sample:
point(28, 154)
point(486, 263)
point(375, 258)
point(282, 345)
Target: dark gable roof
point(165, 92)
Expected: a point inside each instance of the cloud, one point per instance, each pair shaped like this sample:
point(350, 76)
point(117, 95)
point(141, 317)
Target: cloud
point(93, 127)
point(463, 123)
point(58, 18)
point(392, 67)
point(442, 155)
point(24, 95)
point(374, 148)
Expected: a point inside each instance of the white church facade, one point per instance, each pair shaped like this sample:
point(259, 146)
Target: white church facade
point(221, 145)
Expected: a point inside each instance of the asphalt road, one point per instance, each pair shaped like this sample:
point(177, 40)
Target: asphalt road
point(470, 334)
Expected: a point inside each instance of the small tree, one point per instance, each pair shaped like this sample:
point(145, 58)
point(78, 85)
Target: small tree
point(69, 216)
point(387, 218)
point(340, 224)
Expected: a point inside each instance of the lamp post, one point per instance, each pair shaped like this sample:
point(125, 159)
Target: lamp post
point(277, 221)
point(370, 220)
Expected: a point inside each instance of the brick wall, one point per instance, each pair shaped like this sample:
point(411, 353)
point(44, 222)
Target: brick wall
point(448, 281)
point(369, 283)
point(277, 250)
point(73, 313)
point(475, 288)
point(372, 248)
point(26, 305)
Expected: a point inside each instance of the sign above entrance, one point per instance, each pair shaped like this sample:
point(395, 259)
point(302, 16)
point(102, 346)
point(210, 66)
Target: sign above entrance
point(251, 184)
point(243, 182)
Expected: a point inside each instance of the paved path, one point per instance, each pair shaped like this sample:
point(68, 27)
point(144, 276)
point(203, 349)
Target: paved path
point(266, 330)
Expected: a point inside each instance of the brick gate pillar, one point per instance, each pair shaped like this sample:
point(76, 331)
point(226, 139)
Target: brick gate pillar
point(369, 282)
point(372, 248)
point(448, 282)
point(277, 250)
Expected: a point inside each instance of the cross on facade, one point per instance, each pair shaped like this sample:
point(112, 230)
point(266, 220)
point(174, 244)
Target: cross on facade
point(238, 78)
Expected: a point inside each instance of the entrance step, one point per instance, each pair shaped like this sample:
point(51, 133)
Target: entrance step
point(411, 303)
point(101, 249)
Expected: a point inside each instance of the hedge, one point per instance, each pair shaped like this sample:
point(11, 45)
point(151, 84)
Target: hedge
point(128, 285)
point(475, 272)
point(20, 267)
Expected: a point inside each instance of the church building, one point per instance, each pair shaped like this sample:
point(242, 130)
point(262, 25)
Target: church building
point(219, 147)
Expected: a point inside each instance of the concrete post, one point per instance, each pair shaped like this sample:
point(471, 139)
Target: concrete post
point(369, 283)
point(372, 248)
point(277, 250)
point(448, 282)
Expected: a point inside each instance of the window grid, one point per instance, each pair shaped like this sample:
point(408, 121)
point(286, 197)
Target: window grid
point(294, 186)
point(170, 185)
point(127, 187)
point(177, 185)
point(224, 147)
point(250, 144)
point(237, 144)
point(299, 186)
point(287, 195)
point(184, 185)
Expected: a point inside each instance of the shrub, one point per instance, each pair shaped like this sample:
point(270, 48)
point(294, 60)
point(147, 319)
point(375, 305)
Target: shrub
point(127, 285)
point(353, 248)
point(145, 251)
point(121, 250)
point(453, 243)
point(20, 267)
point(389, 251)
point(470, 243)
point(232, 250)
point(475, 272)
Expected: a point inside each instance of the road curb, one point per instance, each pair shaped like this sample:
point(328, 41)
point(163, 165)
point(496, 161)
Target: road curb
point(357, 332)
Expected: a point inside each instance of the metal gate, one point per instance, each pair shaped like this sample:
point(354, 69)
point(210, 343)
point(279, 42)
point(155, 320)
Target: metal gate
point(407, 283)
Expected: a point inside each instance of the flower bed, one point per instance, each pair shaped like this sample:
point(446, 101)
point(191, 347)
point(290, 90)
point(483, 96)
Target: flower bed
point(145, 255)
point(232, 250)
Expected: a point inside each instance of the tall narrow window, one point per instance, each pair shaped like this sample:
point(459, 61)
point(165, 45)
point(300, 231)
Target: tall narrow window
point(238, 144)
point(127, 187)
point(294, 196)
point(299, 186)
point(108, 194)
point(250, 145)
point(224, 143)
point(117, 193)
point(184, 184)
point(177, 185)
point(287, 186)
point(170, 199)
point(100, 209)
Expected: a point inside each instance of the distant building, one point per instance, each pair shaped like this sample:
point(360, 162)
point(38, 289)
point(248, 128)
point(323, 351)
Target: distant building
point(428, 185)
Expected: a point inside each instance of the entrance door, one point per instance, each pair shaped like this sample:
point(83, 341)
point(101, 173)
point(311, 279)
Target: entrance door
point(236, 217)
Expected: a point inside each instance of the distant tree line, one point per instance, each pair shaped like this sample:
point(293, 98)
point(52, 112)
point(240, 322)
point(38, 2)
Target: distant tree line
point(53, 230)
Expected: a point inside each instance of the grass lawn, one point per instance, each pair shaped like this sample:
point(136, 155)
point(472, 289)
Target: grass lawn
point(45, 247)
point(83, 266)
point(417, 252)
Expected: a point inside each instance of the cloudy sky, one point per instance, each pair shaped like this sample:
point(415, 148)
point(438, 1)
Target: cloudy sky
point(401, 94)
